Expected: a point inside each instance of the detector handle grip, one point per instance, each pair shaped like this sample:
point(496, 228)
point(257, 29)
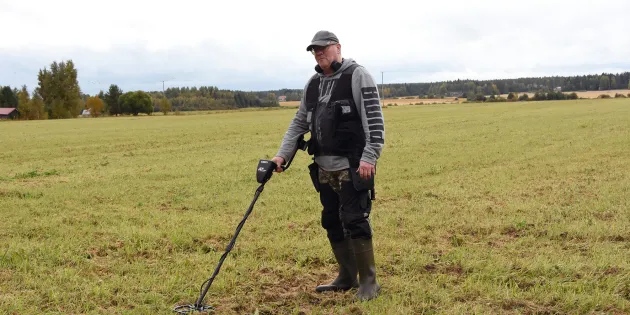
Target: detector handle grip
point(301, 145)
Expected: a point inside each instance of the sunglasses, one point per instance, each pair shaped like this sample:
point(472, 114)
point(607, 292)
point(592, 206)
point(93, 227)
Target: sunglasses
point(318, 49)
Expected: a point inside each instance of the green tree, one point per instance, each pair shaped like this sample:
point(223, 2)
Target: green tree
point(24, 103)
point(37, 107)
point(270, 100)
point(386, 92)
point(443, 90)
point(604, 83)
point(165, 106)
point(540, 96)
point(136, 102)
point(613, 83)
point(494, 90)
point(60, 90)
point(101, 96)
point(512, 96)
point(433, 89)
point(480, 97)
point(112, 99)
point(57, 110)
point(8, 97)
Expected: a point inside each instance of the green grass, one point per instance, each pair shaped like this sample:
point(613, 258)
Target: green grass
point(481, 208)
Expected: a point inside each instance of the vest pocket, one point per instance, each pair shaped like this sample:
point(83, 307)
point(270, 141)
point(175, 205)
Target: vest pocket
point(345, 110)
point(310, 108)
point(328, 126)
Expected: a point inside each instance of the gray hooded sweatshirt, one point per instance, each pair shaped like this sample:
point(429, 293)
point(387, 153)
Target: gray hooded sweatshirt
point(366, 98)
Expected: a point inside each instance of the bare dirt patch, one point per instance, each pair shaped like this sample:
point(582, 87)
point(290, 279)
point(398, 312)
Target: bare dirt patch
point(279, 291)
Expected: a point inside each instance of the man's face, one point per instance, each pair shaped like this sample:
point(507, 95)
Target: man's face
point(326, 55)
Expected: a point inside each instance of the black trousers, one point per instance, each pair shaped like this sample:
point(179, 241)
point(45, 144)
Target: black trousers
point(346, 211)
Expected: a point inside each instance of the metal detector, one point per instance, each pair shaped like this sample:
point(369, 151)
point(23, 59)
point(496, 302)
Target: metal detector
point(263, 174)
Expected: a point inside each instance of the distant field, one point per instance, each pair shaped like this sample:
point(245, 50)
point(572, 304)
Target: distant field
point(589, 94)
point(414, 101)
point(495, 208)
point(452, 100)
point(399, 101)
point(290, 103)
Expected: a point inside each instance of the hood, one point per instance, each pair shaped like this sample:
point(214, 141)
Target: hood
point(345, 64)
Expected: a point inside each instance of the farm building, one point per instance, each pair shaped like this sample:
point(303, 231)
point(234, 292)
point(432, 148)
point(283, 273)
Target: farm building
point(282, 98)
point(8, 113)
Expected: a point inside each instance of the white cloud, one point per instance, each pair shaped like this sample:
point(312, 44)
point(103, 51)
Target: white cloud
point(256, 45)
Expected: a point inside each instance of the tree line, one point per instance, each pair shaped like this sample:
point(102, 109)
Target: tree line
point(210, 98)
point(470, 89)
point(58, 95)
point(538, 96)
point(290, 94)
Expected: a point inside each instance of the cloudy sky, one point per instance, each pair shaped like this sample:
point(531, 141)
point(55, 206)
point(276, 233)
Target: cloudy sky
point(260, 45)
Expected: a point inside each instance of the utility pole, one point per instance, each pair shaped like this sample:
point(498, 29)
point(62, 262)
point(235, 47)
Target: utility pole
point(163, 90)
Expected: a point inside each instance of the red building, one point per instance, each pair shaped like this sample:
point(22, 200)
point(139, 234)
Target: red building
point(8, 113)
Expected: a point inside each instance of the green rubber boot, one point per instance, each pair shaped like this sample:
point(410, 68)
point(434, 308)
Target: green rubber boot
point(347, 278)
point(364, 253)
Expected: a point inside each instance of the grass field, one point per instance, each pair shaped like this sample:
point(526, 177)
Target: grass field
point(504, 208)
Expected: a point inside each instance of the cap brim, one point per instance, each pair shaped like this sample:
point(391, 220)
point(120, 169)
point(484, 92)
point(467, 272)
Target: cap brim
point(321, 43)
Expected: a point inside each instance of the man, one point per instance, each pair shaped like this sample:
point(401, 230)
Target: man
point(341, 109)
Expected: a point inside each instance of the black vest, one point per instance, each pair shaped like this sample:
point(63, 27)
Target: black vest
point(336, 127)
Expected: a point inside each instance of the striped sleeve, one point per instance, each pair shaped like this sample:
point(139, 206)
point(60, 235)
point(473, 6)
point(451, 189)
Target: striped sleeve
point(297, 127)
point(367, 100)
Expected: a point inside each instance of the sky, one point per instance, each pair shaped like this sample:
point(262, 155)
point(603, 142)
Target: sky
point(261, 45)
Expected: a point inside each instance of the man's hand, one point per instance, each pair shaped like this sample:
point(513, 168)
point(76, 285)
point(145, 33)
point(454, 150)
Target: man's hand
point(366, 170)
point(279, 161)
